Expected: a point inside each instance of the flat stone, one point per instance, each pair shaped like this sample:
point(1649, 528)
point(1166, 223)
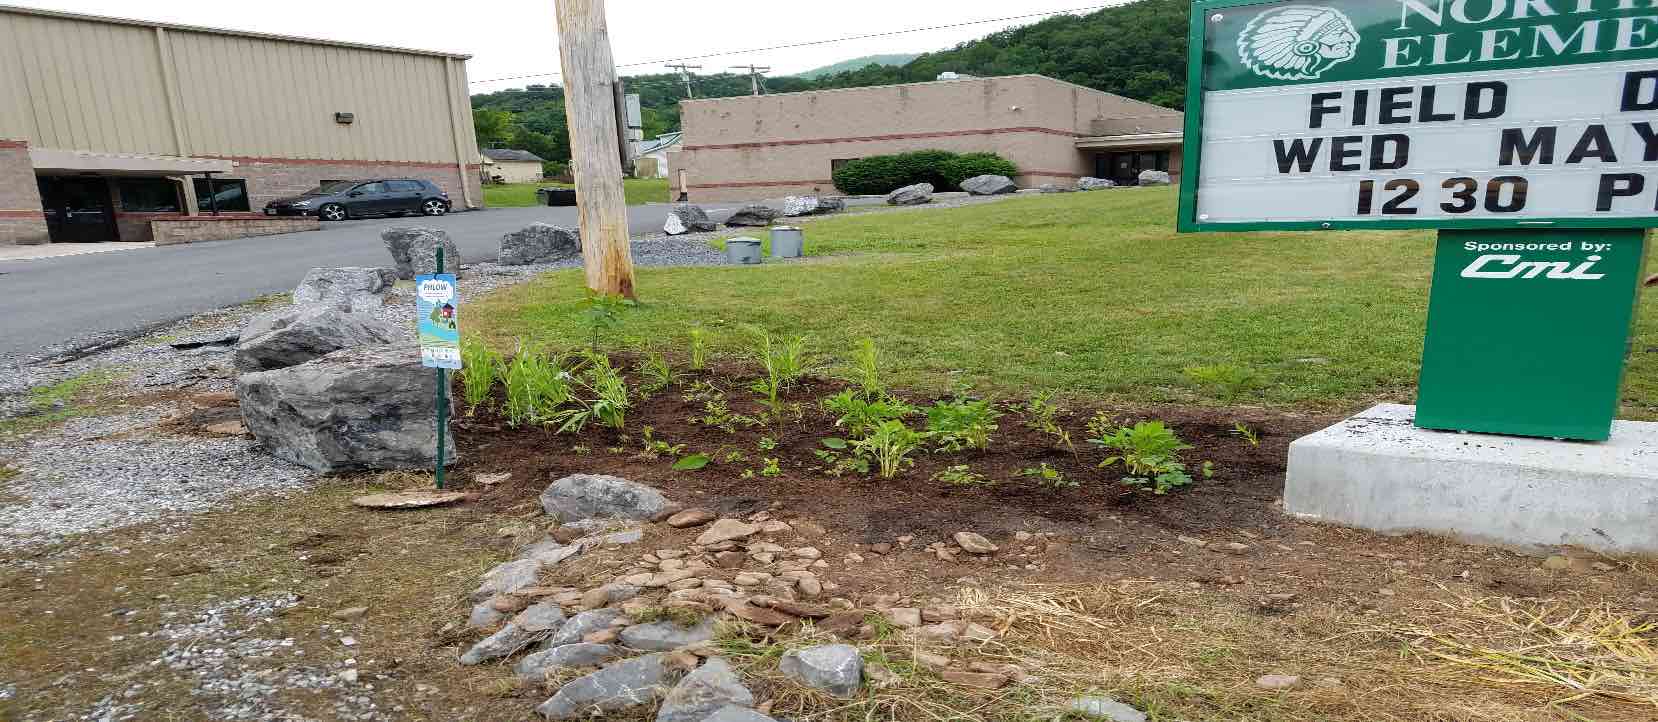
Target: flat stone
point(733, 713)
point(666, 636)
point(609, 594)
point(727, 530)
point(834, 668)
point(742, 609)
point(616, 687)
point(808, 553)
point(663, 579)
point(540, 617)
point(904, 617)
point(729, 560)
point(590, 496)
point(350, 613)
point(691, 517)
point(550, 552)
point(974, 544)
point(582, 654)
point(1277, 681)
point(585, 623)
point(798, 609)
point(930, 660)
point(1378, 471)
point(981, 680)
point(360, 290)
point(1105, 708)
point(508, 578)
point(485, 616)
point(703, 692)
point(503, 643)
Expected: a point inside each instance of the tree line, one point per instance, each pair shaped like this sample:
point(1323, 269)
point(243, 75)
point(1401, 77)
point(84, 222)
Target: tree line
point(1136, 50)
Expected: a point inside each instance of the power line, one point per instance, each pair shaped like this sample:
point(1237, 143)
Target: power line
point(823, 42)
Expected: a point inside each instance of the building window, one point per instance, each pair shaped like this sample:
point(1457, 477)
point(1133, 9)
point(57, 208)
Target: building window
point(148, 195)
point(231, 195)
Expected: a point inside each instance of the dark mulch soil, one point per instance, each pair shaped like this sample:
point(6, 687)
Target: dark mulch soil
point(1107, 531)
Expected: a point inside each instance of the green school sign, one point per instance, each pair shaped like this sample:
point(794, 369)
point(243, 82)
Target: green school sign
point(1527, 129)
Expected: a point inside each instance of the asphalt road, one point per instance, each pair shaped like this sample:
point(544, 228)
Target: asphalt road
point(54, 301)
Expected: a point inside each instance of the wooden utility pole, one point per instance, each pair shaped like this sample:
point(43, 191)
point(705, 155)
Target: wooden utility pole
point(595, 151)
point(754, 72)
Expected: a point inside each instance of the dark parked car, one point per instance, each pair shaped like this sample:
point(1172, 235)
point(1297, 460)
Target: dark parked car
point(359, 198)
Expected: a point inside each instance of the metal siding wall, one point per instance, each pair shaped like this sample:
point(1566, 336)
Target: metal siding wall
point(88, 85)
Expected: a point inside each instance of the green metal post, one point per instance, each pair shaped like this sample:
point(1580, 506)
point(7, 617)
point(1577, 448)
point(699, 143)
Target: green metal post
point(443, 400)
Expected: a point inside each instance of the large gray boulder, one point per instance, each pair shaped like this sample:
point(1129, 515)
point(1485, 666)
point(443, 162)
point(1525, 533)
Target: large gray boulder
point(1105, 708)
point(414, 251)
point(619, 686)
point(292, 336)
point(1155, 178)
point(989, 185)
point(1094, 184)
point(538, 243)
point(595, 496)
point(915, 195)
point(834, 668)
point(686, 218)
point(753, 215)
point(706, 690)
point(363, 408)
point(535, 667)
point(796, 206)
point(359, 289)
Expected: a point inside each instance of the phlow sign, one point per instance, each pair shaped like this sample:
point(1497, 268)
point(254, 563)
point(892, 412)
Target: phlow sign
point(1422, 113)
point(1526, 129)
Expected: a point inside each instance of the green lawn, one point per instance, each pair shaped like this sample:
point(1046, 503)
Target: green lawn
point(1092, 294)
point(514, 195)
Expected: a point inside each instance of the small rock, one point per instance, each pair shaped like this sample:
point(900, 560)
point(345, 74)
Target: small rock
point(727, 530)
point(834, 668)
point(904, 617)
point(1194, 541)
point(808, 553)
point(1106, 708)
point(590, 496)
point(882, 548)
point(348, 676)
point(748, 612)
point(350, 613)
point(1602, 567)
point(940, 614)
point(980, 680)
point(1235, 547)
point(543, 617)
point(608, 594)
point(663, 579)
point(974, 544)
point(809, 587)
point(492, 479)
point(508, 578)
point(535, 667)
point(691, 517)
point(1277, 681)
point(666, 636)
point(503, 643)
point(581, 625)
point(604, 636)
point(775, 527)
point(729, 560)
point(929, 660)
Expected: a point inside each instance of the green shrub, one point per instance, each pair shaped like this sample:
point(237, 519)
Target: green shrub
point(880, 174)
point(973, 165)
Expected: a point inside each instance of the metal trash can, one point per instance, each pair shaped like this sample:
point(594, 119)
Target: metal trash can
point(787, 242)
point(743, 250)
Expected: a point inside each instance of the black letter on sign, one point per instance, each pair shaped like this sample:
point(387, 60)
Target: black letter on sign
point(1391, 104)
point(1619, 185)
point(1340, 151)
point(1297, 154)
point(1477, 92)
point(1378, 150)
point(1427, 114)
point(1650, 138)
point(1322, 108)
point(1515, 143)
point(1634, 84)
point(1595, 144)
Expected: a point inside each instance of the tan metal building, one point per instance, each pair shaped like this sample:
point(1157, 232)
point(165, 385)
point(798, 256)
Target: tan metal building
point(1056, 132)
point(108, 126)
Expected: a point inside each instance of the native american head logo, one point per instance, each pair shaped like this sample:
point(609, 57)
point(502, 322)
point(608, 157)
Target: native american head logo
point(1298, 42)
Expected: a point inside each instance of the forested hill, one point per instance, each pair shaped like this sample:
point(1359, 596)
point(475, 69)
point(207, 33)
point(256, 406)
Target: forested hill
point(1137, 50)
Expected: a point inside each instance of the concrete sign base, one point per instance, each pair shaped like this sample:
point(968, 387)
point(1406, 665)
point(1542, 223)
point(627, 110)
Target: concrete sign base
point(1378, 471)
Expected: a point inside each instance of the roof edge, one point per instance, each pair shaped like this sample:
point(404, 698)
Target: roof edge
point(112, 20)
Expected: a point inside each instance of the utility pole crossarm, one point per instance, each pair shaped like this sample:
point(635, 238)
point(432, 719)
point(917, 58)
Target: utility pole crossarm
point(595, 146)
point(754, 75)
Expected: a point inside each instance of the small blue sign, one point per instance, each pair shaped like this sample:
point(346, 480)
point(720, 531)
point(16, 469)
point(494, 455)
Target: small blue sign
point(437, 307)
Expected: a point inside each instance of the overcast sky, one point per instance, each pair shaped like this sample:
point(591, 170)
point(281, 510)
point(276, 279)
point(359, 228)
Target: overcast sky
point(519, 37)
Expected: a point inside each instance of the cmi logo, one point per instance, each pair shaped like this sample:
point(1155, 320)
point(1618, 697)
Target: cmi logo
point(1509, 266)
point(1298, 42)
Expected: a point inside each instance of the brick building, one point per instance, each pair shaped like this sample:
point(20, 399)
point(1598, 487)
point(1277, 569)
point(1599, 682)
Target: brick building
point(110, 126)
point(1056, 132)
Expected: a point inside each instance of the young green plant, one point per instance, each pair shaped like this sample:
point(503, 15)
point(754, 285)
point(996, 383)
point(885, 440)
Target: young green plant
point(481, 368)
point(1149, 450)
point(962, 423)
point(889, 445)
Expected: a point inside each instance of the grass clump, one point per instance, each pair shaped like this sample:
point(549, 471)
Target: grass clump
point(55, 403)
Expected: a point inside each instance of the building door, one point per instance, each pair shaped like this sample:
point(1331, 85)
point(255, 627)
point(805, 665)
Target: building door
point(78, 210)
point(1125, 168)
